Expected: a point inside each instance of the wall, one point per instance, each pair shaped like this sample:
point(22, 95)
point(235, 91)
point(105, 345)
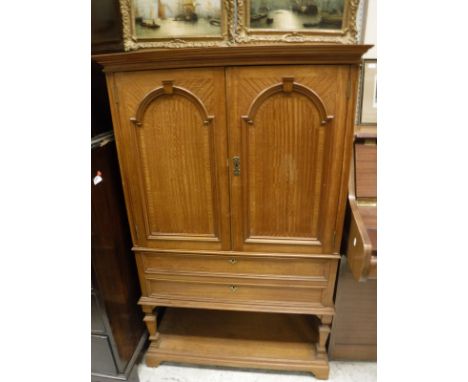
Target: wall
point(370, 28)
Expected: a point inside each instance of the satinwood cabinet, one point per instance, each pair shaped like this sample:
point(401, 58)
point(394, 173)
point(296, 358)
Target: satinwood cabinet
point(234, 163)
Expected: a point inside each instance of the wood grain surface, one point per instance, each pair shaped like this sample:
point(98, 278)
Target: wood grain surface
point(366, 170)
point(175, 159)
point(286, 199)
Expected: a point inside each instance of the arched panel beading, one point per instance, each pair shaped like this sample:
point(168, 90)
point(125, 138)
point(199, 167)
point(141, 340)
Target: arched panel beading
point(168, 89)
point(288, 86)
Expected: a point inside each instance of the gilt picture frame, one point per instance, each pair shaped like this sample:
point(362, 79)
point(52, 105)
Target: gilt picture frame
point(176, 23)
point(368, 93)
point(296, 21)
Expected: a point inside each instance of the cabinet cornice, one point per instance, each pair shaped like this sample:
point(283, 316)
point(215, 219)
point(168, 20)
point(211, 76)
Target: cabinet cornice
point(234, 55)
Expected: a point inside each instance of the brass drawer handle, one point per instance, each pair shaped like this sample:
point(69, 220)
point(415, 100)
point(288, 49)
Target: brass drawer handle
point(233, 261)
point(233, 288)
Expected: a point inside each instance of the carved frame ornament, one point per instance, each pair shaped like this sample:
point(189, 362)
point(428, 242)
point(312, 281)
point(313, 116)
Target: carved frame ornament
point(346, 35)
point(132, 42)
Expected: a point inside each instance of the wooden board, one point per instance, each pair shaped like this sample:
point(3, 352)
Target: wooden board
point(361, 245)
point(369, 217)
point(258, 340)
point(366, 170)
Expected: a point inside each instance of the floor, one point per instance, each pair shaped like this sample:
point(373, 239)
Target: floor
point(339, 372)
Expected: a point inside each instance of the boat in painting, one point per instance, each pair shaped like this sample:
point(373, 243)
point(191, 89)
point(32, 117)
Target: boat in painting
point(177, 18)
point(186, 11)
point(296, 14)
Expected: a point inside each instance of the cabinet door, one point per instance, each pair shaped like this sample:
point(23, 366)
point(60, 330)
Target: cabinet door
point(289, 128)
point(172, 146)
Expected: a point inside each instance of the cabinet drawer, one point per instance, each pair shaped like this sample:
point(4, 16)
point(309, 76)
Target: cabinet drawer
point(239, 264)
point(233, 290)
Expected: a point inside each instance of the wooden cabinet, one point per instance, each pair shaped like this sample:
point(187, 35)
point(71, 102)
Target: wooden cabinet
point(235, 179)
point(117, 333)
point(361, 246)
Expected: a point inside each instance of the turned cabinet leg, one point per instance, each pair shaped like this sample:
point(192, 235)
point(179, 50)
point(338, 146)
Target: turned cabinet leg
point(324, 331)
point(150, 320)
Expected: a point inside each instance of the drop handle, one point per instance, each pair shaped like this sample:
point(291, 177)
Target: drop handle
point(233, 288)
point(232, 261)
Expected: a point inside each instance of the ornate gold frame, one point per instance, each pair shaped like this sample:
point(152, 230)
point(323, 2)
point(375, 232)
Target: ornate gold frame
point(346, 35)
point(131, 42)
point(361, 92)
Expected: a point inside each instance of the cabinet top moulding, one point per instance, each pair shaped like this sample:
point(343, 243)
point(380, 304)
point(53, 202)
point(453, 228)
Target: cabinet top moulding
point(235, 55)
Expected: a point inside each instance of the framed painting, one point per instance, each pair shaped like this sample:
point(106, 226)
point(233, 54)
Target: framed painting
point(175, 23)
point(297, 21)
point(368, 93)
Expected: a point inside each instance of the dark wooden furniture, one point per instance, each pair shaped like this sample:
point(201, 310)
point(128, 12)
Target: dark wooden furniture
point(361, 247)
point(106, 26)
point(117, 332)
point(354, 332)
point(235, 163)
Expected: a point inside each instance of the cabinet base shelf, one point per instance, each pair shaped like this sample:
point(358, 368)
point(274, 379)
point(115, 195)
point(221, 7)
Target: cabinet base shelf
point(239, 339)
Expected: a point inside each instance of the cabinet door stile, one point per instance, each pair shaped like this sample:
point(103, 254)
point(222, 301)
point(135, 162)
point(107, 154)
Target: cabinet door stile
point(234, 147)
point(353, 76)
point(338, 146)
point(122, 136)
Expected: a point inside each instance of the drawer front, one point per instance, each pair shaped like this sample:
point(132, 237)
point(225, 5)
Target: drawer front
point(239, 264)
point(233, 290)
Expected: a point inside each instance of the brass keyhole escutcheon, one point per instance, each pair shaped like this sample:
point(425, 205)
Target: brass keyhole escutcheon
point(236, 165)
point(233, 288)
point(232, 261)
